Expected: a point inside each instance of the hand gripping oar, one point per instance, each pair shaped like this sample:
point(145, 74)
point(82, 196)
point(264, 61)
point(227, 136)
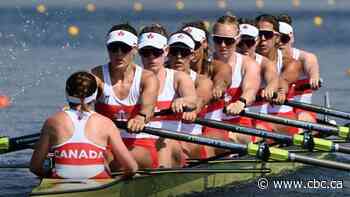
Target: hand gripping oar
point(262, 151)
point(17, 143)
point(341, 131)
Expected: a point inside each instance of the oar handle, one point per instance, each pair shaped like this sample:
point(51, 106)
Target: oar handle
point(169, 111)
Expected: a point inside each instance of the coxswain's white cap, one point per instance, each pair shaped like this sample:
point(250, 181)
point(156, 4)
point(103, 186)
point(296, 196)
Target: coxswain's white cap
point(248, 29)
point(197, 34)
point(285, 28)
point(152, 39)
point(122, 36)
point(183, 39)
point(76, 100)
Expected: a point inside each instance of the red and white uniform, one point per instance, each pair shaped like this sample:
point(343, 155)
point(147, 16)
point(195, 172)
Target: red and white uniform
point(114, 108)
point(302, 95)
point(165, 98)
point(232, 94)
point(79, 158)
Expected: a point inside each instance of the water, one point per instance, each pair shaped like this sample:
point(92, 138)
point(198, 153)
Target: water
point(37, 55)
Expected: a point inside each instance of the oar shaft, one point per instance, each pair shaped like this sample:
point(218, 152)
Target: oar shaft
point(318, 109)
point(318, 162)
point(245, 130)
point(290, 122)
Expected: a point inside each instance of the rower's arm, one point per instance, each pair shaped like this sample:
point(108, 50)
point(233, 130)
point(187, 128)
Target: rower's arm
point(204, 91)
point(149, 94)
point(97, 72)
point(251, 79)
point(185, 87)
point(221, 78)
point(41, 151)
point(270, 74)
point(311, 66)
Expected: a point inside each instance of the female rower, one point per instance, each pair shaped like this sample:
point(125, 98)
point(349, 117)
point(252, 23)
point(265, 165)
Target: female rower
point(78, 137)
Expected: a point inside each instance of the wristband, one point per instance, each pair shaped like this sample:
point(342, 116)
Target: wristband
point(143, 115)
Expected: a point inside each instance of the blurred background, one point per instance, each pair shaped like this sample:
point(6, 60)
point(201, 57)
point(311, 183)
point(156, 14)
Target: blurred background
point(43, 42)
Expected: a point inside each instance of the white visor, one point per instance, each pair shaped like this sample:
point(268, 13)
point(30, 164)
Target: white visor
point(197, 34)
point(285, 28)
point(181, 38)
point(76, 100)
point(122, 36)
point(250, 30)
point(152, 39)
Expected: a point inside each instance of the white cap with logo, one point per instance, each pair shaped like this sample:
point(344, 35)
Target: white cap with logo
point(152, 39)
point(122, 36)
point(183, 39)
point(250, 30)
point(285, 28)
point(197, 34)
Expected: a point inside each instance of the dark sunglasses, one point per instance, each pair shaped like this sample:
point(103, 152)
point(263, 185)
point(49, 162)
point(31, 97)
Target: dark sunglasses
point(151, 51)
point(285, 38)
point(249, 41)
point(228, 41)
point(266, 34)
point(184, 52)
point(197, 45)
point(114, 47)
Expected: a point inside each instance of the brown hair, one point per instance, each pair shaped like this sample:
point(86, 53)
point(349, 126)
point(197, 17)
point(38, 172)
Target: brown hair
point(81, 84)
point(226, 19)
point(268, 18)
point(156, 28)
point(285, 18)
point(124, 26)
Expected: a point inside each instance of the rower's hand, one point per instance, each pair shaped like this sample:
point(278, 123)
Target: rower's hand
point(177, 106)
point(218, 92)
point(268, 93)
point(314, 82)
point(136, 124)
point(281, 97)
point(235, 108)
point(189, 116)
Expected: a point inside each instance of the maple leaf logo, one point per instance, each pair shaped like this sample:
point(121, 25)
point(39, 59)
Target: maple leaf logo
point(120, 33)
point(150, 36)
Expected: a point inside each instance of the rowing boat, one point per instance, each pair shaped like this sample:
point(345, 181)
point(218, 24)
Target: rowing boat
point(172, 182)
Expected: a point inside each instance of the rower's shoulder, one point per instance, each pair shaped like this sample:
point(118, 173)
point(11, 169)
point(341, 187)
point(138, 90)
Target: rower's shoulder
point(307, 54)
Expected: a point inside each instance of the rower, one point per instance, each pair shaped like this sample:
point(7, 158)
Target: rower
point(287, 68)
point(238, 83)
point(269, 84)
point(310, 73)
point(78, 137)
point(128, 93)
point(176, 88)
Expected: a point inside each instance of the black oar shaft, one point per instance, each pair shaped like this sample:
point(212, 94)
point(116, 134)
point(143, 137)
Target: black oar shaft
point(318, 109)
point(295, 123)
point(244, 130)
point(318, 162)
point(342, 149)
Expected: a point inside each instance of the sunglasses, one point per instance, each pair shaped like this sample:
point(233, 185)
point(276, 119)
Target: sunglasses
point(197, 45)
point(228, 41)
point(249, 41)
point(115, 47)
point(175, 51)
point(285, 38)
point(151, 51)
point(266, 34)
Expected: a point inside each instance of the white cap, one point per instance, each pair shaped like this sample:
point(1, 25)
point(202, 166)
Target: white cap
point(250, 30)
point(122, 36)
point(181, 38)
point(76, 100)
point(152, 39)
point(285, 28)
point(197, 34)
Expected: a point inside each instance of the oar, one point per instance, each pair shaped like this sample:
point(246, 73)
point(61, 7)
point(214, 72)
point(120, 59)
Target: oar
point(262, 151)
point(341, 131)
point(306, 141)
point(17, 143)
point(318, 109)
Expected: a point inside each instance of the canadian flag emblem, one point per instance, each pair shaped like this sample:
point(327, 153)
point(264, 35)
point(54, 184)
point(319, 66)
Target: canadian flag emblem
point(150, 36)
point(120, 33)
point(245, 27)
point(180, 36)
point(188, 29)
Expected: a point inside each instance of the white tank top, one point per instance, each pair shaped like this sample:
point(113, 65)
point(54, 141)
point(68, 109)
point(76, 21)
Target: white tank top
point(194, 129)
point(118, 109)
point(78, 157)
point(164, 101)
point(215, 109)
point(279, 108)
